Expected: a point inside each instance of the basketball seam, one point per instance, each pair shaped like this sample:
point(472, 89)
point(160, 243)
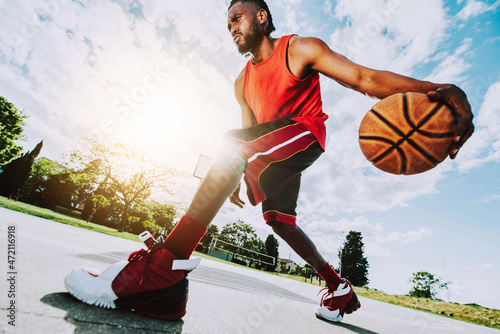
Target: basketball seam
point(416, 128)
point(406, 137)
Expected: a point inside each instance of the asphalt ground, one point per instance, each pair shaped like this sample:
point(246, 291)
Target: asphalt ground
point(223, 298)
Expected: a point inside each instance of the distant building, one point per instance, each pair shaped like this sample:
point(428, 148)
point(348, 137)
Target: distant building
point(287, 265)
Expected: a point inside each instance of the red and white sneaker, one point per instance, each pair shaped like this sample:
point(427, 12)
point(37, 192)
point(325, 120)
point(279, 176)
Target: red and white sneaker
point(335, 303)
point(152, 283)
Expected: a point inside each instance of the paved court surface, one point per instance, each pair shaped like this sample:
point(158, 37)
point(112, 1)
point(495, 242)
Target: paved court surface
point(222, 299)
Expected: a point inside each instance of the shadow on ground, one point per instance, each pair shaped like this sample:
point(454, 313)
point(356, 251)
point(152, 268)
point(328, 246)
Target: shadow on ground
point(94, 320)
point(353, 328)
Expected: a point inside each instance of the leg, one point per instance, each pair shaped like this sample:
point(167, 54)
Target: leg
point(153, 282)
point(306, 249)
point(218, 184)
point(340, 298)
point(300, 243)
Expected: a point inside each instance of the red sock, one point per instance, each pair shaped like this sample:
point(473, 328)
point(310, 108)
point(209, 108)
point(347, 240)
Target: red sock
point(185, 237)
point(330, 277)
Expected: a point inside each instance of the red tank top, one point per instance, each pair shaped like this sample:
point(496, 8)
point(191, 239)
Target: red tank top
point(272, 92)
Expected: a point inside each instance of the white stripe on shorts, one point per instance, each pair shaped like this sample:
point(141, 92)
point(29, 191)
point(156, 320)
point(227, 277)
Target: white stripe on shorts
point(271, 150)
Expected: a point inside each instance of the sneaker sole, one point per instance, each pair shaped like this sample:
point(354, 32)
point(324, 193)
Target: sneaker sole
point(349, 308)
point(167, 304)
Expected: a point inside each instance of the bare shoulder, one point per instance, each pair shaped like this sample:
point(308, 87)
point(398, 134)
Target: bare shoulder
point(306, 47)
point(304, 53)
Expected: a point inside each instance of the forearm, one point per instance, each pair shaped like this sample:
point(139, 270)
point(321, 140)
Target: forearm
point(381, 84)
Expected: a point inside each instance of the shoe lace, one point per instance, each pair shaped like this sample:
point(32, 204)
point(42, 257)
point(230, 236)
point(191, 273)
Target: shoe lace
point(325, 296)
point(143, 254)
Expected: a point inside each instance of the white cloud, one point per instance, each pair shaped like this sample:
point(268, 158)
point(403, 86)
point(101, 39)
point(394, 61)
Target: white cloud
point(489, 266)
point(484, 146)
point(93, 70)
point(192, 22)
point(382, 34)
point(490, 198)
point(410, 236)
point(378, 242)
point(327, 6)
point(452, 68)
point(475, 8)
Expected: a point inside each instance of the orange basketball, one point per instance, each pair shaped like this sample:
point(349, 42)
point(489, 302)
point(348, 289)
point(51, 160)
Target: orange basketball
point(406, 133)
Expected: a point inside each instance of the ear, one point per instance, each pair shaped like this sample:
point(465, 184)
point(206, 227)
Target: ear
point(262, 16)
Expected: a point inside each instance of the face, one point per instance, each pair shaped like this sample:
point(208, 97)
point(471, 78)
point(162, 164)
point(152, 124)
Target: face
point(243, 26)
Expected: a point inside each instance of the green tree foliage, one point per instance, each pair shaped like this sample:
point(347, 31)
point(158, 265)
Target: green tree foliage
point(354, 264)
point(51, 184)
point(127, 173)
point(212, 231)
point(15, 173)
point(160, 214)
point(151, 227)
point(272, 246)
point(99, 202)
point(240, 234)
point(41, 171)
point(243, 235)
point(426, 284)
point(163, 214)
point(272, 249)
point(11, 129)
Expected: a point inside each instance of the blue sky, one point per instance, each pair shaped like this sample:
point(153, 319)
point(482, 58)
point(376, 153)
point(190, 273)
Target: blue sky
point(159, 75)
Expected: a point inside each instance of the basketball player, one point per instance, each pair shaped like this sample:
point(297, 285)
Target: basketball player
point(283, 133)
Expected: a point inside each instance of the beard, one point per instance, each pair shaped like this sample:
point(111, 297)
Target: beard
point(250, 41)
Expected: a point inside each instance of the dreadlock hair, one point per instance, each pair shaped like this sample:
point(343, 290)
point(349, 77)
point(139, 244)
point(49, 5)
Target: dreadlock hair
point(260, 4)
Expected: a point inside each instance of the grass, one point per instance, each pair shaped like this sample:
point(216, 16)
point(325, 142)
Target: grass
point(62, 218)
point(471, 313)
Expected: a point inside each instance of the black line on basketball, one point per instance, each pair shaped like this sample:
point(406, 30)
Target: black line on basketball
point(422, 151)
point(429, 115)
point(386, 152)
point(406, 113)
point(389, 124)
point(404, 160)
point(382, 139)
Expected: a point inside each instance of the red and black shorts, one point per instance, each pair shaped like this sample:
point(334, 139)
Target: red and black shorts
point(276, 154)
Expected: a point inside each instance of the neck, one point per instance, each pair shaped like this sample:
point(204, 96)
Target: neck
point(264, 50)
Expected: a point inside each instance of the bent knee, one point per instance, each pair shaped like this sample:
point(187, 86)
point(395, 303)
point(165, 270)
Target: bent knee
point(282, 228)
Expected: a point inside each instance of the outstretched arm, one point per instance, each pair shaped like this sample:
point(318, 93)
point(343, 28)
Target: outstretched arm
point(312, 53)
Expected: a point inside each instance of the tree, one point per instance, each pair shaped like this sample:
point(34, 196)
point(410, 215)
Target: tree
point(52, 183)
point(163, 214)
point(212, 231)
point(11, 129)
point(272, 248)
point(151, 227)
point(127, 173)
point(160, 214)
point(426, 284)
point(42, 170)
point(240, 234)
point(353, 263)
point(15, 173)
point(243, 235)
point(99, 202)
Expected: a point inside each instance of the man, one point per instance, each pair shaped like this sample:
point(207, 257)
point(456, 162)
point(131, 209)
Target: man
point(283, 133)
